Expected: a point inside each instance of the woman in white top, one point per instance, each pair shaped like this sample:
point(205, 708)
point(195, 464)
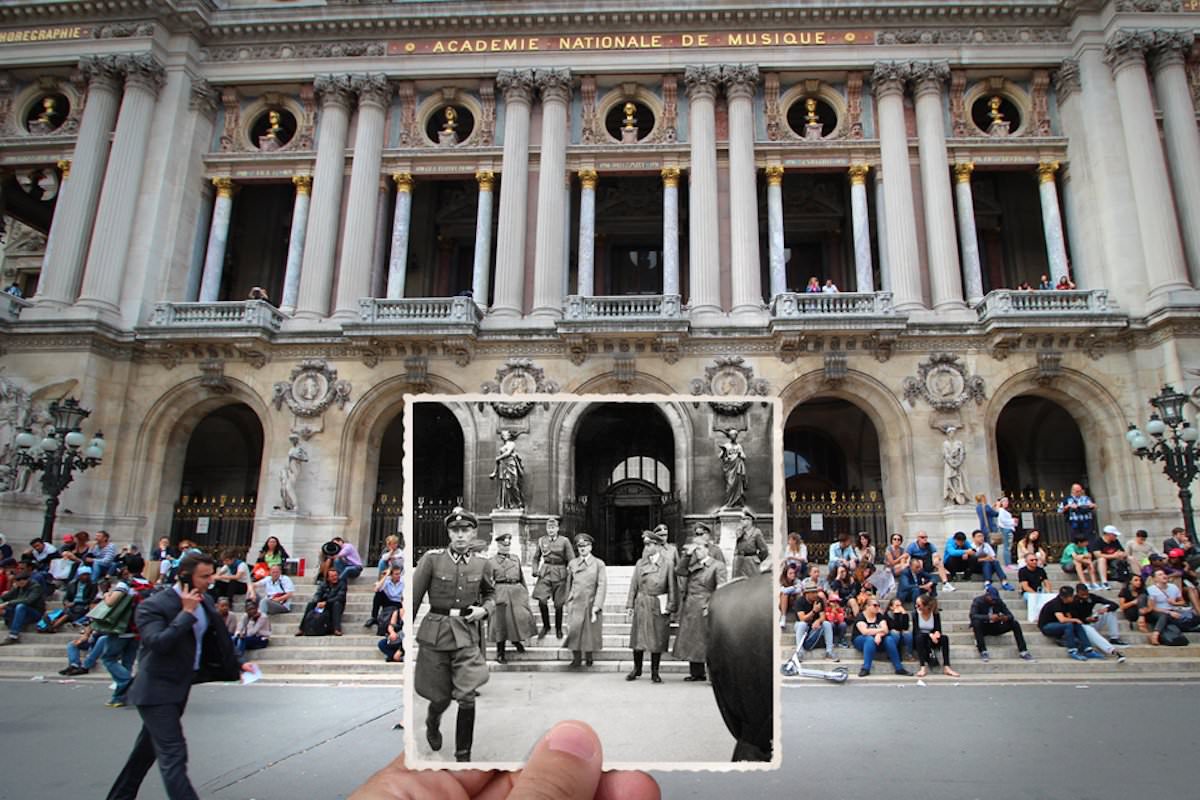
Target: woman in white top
point(1032, 543)
point(797, 553)
point(1006, 525)
point(391, 552)
point(927, 634)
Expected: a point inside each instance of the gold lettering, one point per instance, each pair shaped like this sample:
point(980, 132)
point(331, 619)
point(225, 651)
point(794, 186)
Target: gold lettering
point(564, 43)
point(438, 47)
point(686, 40)
point(606, 42)
point(702, 40)
point(805, 38)
point(656, 40)
point(789, 38)
point(820, 37)
point(494, 46)
point(511, 44)
point(735, 40)
point(533, 43)
point(481, 45)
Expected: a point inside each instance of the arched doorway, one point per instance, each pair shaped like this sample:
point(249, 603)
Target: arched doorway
point(1041, 452)
point(624, 478)
point(218, 493)
point(438, 459)
point(833, 475)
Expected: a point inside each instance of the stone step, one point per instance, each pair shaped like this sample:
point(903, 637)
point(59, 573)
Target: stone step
point(966, 652)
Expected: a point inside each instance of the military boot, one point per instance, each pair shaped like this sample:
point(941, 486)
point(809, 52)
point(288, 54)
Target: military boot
point(464, 733)
point(433, 722)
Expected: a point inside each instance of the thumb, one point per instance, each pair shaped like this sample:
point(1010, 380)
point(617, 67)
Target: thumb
point(564, 765)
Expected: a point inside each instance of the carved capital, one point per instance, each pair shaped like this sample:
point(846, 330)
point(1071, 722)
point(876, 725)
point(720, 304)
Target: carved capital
point(486, 179)
point(102, 71)
point(204, 97)
point(774, 175)
point(373, 89)
point(517, 85)
point(64, 167)
point(702, 81)
point(670, 177)
point(889, 77)
point(334, 90)
point(224, 186)
point(403, 181)
point(739, 80)
point(303, 183)
point(1066, 79)
point(143, 71)
point(1127, 49)
point(1171, 48)
point(928, 76)
point(962, 172)
point(858, 174)
point(1046, 171)
point(554, 85)
point(587, 178)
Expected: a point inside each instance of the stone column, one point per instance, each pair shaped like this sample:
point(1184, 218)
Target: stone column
point(383, 239)
point(1182, 136)
point(398, 261)
point(704, 243)
point(517, 86)
point(1165, 267)
point(320, 238)
point(587, 232)
point(885, 274)
point(555, 88)
point(968, 238)
point(218, 238)
point(945, 279)
point(295, 254)
point(483, 238)
point(904, 276)
point(75, 210)
point(864, 270)
point(670, 179)
point(358, 244)
point(1056, 247)
point(740, 81)
point(105, 271)
point(778, 267)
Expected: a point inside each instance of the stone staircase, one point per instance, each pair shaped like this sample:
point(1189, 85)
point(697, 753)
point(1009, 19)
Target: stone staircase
point(354, 658)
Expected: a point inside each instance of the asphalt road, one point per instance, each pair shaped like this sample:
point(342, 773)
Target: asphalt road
point(940, 741)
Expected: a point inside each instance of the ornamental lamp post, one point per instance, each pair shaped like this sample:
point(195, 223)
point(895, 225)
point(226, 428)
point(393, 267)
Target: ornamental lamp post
point(1173, 442)
point(59, 454)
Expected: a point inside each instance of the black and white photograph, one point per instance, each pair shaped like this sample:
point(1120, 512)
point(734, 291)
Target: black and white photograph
point(608, 560)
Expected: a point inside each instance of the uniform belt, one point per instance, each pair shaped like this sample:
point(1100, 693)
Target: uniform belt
point(554, 563)
point(507, 582)
point(450, 612)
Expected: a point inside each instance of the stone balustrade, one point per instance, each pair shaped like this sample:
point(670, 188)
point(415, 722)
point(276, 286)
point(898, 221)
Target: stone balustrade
point(418, 310)
point(798, 305)
point(623, 307)
point(11, 305)
point(1043, 303)
point(258, 314)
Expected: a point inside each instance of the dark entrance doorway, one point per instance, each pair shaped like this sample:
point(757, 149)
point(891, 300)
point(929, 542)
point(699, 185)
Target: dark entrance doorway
point(624, 482)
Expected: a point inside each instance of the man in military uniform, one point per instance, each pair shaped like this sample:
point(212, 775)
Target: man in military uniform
point(450, 661)
point(702, 575)
point(751, 549)
point(714, 550)
point(550, 561)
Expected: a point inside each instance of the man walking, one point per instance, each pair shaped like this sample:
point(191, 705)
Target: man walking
point(184, 642)
point(450, 661)
point(550, 561)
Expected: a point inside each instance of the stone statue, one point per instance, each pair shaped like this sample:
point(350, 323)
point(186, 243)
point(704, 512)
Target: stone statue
point(954, 454)
point(733, 464)
point(290, 474)
point(510, 469)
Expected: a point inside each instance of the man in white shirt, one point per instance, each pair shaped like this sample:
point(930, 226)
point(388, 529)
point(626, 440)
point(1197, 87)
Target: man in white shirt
point(273, 593)
point(1169, 606)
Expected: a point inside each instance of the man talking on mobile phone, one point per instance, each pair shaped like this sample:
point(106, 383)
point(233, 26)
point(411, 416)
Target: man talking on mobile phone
point(184, 641)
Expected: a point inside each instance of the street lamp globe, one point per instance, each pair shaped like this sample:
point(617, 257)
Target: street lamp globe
point(1189, 434)
point(75, 440)
point(50, 444)
point(1155, 427)
point(25, 439)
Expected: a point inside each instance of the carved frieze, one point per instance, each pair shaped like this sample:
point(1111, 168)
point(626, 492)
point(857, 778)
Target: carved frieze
point(667, 132)
point(926, 36)
point(233, 114)
point(729, 376)
point(313, 388)
point(942, 382)
point(212, 376)
point(1049, 366)
point(518, 376)
point(775, 123)
point(587, 98)
point(1039, 123)
point(854, 86)
point(287, 51)
point(487, 120)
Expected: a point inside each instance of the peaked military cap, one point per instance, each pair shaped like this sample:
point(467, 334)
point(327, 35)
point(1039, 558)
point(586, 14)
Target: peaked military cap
point(459, 517)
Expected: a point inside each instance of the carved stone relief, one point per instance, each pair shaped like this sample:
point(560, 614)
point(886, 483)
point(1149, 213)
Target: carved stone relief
point(729, 377)
point(518, 376)
point(942, 381)
point(312, 388)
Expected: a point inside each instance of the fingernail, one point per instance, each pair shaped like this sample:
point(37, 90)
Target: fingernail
point(573, 740)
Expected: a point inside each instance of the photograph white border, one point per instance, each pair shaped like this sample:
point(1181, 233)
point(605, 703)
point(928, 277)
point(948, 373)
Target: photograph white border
point(414, 760)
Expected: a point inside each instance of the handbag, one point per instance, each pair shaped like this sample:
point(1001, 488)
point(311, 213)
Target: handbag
point(113, 619)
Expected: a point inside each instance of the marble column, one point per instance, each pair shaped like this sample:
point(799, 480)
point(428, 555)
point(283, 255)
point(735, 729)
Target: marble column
point(517, 86)
point(483, 238)
point(555, 88)
point(358, 244)
point(968, 238)
point(75, 209)
point(321, 236)
point(1182, 136)
point(704, 243)
point(888, 82)
point(778, 267)
point(1056, 246)
point(383, 240)
point(740, 81)
point(191, 282)
point(218, 238)
point(587, 232)
point(1165, 266)
point(398, 261)
point(295, 253)
point(104, 274)
point(864, 270)
point(885, 275)
point(945, 277)
point(670, 179)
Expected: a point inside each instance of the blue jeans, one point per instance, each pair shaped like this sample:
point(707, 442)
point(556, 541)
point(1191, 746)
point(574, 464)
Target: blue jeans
point(20, 616)
point(904, 641)
point(389, 649)
point(992, 571)
point(867, 645)
point(119, 655)
point(243, 643)
point(1071, 632)
point(94, 653)
point(1006, 547)
point(808, 639)
point(346, 570)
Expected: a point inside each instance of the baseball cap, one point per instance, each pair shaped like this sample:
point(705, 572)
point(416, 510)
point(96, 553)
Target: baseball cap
point(1112, 529)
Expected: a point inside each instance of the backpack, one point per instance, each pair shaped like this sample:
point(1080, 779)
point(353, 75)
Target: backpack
point(1172, 636)
point(120, 619)
point(316, 623)
point(46, 623)
point(385, 616)
point(142, 589)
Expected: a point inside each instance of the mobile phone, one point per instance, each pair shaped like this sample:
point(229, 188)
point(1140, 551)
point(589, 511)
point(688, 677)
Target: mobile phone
point(186, 582)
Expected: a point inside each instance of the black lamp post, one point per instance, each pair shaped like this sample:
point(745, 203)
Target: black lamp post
point(59, 454)
point(1174, 444)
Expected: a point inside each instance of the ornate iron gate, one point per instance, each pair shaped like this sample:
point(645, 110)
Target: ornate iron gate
point(1040, 507)
point(387, 514)
point(821, 518)
point(214, 523)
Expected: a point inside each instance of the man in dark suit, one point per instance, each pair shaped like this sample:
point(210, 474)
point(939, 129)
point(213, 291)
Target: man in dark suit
point(184, 641)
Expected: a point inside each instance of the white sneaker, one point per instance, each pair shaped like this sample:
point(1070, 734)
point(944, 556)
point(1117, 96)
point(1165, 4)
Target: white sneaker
point(782, 622)
point(947, 586)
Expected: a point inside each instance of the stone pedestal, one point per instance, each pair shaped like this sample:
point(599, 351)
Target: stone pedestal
point(728, 522)
point(940, 525)
point(511, 521)
point(300, 534)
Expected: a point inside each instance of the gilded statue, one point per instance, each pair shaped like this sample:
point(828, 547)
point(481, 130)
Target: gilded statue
point(810, 106)
point(630, 119)
point(994, 110)
point(451, 117)
point(46, 121)
point(274, 129)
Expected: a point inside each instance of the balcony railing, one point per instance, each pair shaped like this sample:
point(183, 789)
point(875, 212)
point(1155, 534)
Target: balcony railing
point(631, 308)
point(218, 316)
point(1045, 304)
point(419, 311)
point(11, 305)
point(797, 305)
